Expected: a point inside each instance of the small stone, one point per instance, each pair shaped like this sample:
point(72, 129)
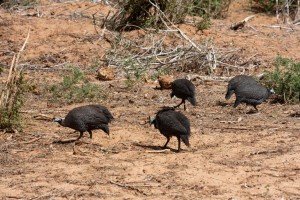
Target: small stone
point(165, 81)
point(105, 74)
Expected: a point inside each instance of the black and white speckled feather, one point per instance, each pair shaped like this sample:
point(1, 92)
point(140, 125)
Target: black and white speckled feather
point(253, 94)
point(185, 90)
point(87, 118)
point(238, 81)
point(172, 123)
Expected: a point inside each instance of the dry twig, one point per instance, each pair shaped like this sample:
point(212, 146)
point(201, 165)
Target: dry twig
point(10, 83)
point(130, 187)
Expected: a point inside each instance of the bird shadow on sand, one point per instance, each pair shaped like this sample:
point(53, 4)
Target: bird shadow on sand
point(158, 88)
point(223, 104)
point(64, 141)
point(252, 112)
point(294, 115)
point(154, 147)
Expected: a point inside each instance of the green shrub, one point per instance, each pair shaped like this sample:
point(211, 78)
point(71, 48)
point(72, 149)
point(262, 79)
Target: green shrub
point(134, 72)
point(269, 6)
point(205, 23)
point(210, 8)
point(136, 14)
point(12, 3)
point(285, 79)
point(161, 71)
point(10, 111)
point(141, 13)
point(75, 88)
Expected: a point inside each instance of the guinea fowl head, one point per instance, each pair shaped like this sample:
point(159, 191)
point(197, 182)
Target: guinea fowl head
point(151, 121)
point(271, 91)
point(58, 120)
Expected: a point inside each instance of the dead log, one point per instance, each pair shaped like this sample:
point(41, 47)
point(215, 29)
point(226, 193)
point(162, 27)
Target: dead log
point(241, 24)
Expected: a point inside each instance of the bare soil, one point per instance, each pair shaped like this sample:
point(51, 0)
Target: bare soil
point(233, 155)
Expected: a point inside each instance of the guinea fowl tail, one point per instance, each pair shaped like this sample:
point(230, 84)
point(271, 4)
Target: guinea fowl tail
point(192, 100)
point(229, 92)
point(185, 140)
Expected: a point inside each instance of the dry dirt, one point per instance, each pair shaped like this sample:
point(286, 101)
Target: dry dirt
point(233, 155)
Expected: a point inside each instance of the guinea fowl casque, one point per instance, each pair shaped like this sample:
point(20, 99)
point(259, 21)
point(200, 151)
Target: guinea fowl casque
point(87, 118)
point(172, 123)
point(185, 90)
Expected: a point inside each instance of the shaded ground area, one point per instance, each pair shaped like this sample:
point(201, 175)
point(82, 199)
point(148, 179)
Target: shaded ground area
point(233, 155)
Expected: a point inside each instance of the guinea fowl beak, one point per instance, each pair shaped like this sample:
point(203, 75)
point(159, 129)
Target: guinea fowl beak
point(56, 119)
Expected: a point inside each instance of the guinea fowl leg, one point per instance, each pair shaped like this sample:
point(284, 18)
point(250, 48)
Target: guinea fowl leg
point(237, 102)
point(168, 140)
point(81, 134)
point(91, 134)
point(255, 108)
point(180, 104)
point(178, 138)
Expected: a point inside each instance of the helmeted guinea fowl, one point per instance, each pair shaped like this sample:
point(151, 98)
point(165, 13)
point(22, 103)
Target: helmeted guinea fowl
point(172, 123)
point(251, 94)
point(237, 81)
point(87, 118)
point(185, 90)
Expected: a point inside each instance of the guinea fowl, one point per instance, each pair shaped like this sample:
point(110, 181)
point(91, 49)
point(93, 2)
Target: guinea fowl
point(253, 94)
point(185, 90)
point(237, 81)
point(172, 123)
point(87, 118)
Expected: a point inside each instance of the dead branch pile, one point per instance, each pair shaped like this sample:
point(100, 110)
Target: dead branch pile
point(169, 49)
point(172, 48)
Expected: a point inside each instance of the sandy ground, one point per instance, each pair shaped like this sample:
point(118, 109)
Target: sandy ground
point(233, 155)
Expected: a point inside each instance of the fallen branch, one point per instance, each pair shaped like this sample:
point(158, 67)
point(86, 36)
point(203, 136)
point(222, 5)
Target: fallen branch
point(207, 78)
point(159, 151)
point(266, 152)
point(32, 141)
point(280, 27)
point(241, 24)
point(130, 187)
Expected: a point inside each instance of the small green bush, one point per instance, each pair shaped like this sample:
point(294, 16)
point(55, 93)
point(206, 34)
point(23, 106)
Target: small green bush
point(12, 3)
point(161, 71)
point(269, 6)
point(136, 14)
point(10, 112)
point(74, 89)
point(205, 23)
point(285, 79)
point(134, 72)
point(210, 8)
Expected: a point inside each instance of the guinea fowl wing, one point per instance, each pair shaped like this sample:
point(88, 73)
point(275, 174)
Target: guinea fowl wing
point(103, 110)
point(74, 120)
point(183, 90)
point(170, 125)
point(238, 81)
point(184, 121)
point(255, 92)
